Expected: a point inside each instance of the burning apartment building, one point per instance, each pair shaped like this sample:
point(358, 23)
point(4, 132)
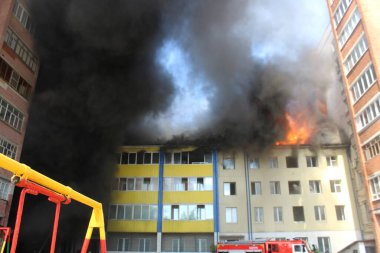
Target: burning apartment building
point(185, 200)
point(18, 74)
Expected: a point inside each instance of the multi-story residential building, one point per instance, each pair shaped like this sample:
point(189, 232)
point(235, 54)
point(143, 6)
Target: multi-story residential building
point(18, 75)
point(355, 26)
point(163, 201)
point(185, 200)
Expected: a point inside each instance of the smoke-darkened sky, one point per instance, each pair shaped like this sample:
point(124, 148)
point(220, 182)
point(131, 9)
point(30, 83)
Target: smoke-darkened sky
point(138, 71)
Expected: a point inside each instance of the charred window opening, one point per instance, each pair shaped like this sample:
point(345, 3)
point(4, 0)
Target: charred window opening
point(140, 157)
point(155, 158)
point(147, 158)
point(298, 213)
point(294, 187)
point(254, 163)
point(292, 162)
point(228, 162)
point(177, 157)
point(168, 158)
point(184, 157)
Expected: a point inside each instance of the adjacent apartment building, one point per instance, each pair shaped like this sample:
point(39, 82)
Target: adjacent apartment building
point(187, 199)
point(18, 74)
point(356, 28)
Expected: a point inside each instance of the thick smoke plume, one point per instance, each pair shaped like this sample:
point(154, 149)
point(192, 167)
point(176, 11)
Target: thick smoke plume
point(103, 82)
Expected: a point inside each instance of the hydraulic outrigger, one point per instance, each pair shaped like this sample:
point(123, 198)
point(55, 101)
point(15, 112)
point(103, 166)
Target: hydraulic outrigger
point(36, 183)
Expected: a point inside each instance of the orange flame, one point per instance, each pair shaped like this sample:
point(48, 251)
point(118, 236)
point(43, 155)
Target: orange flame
point(299, 130)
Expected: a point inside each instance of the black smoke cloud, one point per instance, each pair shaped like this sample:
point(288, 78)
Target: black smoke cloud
point(100, 84)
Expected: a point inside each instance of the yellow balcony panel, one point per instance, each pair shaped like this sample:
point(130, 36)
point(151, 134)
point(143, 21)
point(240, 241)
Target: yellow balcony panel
point(188, 170)
point(187, 197)
point(131, 226)
point(134, 149)
point(137, 170)
point(134, 197)
point(187, 226)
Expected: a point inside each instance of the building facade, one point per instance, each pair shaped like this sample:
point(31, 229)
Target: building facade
point(18, 75)
point(356, 28)
point(186, 200)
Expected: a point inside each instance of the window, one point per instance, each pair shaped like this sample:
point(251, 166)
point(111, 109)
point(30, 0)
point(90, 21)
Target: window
point(335, 186)
point(275, 187)
point(299, 248)
point(256, 188)
point(112, 212)
point(331, 161)
point(22, 15)
point(372, 148)
point(231, 215)
point(324, 244)
point(14, 80)
point(341, 10)
point(375, 187)
point(355, 55)
point(168, 158)
point(176, 245)
point(229, 189)
point(7, 148)
point(137, 212)
point(311, 161)
point(298, 213)
point(294, 187)
point(254, 163)
point(349, 28)
point(201, 212)
point(144, 244)
point(201, 245)
point(259, 214)
point(370, 113)
point(122, 244)
point(177, 157)
point(175, 212)
point(22, 51)
point(340, 215)
point(319, 212)
point(291, 162)
point(151, 157)
point(183, 212)
point(277, 212)
point(273, 162)
point(315, 186)
point(363, 83)
point(228, 162)
point(10, 115)
point(120, 212)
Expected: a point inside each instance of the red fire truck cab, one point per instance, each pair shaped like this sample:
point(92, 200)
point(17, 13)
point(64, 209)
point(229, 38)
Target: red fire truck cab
point(264, 246)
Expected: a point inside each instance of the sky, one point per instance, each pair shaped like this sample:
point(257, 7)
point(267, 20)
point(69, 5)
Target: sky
point(304, 21)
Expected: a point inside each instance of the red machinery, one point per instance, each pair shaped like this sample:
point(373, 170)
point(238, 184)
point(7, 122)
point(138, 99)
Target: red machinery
point(264, 246)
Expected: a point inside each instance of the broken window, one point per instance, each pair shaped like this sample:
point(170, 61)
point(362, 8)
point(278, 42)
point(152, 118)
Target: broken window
point(298, 213)
point(292, 162)
point(228, 162)
point(294, 187)
point(254, 163)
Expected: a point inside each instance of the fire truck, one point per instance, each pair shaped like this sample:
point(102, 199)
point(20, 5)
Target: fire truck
point(264, 246)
